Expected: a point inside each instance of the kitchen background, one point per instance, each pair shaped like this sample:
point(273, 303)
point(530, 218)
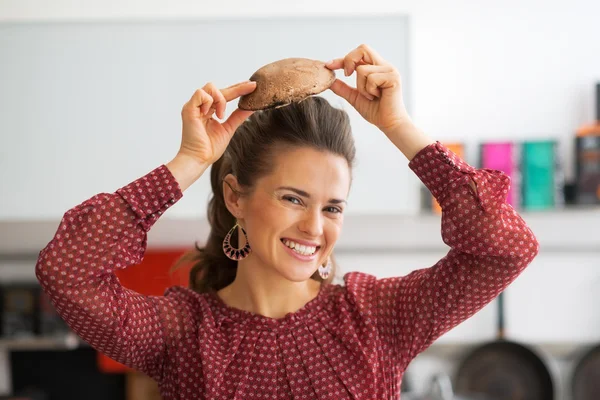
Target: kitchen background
point(90, 94)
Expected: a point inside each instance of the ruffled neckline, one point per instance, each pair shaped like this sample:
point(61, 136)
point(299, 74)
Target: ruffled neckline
point(227, 314)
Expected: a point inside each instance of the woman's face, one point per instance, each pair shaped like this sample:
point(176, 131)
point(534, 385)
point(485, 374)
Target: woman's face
point(294, 216)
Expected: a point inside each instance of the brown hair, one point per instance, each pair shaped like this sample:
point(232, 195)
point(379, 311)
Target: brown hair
point(312, 123)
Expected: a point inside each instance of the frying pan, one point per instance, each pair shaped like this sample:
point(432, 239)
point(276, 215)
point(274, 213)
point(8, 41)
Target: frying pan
point(585, 376)
point(504, 370)
point(585, 380)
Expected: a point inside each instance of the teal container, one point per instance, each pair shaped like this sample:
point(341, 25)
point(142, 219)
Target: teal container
point(542, 175)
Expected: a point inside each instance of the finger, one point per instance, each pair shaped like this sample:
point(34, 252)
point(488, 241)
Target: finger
point(219, 102)
point(382, 80)
point(351, 62)
point(201, 99)
point(371, 88)
point(235, 120)
point(363, 72)
point(337, 63)
point(370, 53)
point(340, 63)
point(345, 91)
point(361, 81)
point(363, 54)
point(239, 89)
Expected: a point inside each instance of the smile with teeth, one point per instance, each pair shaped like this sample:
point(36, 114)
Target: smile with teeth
point(300, 248)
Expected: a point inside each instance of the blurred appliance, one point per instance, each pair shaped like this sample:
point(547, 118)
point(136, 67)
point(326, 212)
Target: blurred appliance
point(504, 370)
point(585, 380)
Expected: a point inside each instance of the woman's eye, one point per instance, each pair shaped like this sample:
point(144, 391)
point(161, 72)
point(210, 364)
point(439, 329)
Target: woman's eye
point(292, 199)
point(334, 210)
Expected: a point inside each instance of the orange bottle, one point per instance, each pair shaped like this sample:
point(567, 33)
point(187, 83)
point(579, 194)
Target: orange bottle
point(592, 129)
point(459, 150)
point(587, 159)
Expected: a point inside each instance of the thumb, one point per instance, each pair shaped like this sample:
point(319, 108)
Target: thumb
point(345, 91)
point(235, 119)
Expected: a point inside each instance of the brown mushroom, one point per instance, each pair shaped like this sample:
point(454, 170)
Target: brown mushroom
point(286, 81)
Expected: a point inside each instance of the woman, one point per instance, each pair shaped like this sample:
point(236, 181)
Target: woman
point(264, 321)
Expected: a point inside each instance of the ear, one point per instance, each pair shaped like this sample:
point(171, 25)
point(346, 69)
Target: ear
point(232, 195)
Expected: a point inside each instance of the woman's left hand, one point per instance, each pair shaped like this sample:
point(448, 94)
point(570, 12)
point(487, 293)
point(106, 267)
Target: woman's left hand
point(378, 93)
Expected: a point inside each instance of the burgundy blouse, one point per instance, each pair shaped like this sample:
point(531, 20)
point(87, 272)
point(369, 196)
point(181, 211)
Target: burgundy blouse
point(353, 341)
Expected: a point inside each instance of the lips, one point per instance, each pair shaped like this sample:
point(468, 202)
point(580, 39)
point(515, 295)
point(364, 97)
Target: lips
point(300, 247)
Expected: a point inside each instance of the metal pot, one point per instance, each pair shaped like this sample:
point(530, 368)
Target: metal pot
point(440, 388)
point(505, 370)
point(585, 379)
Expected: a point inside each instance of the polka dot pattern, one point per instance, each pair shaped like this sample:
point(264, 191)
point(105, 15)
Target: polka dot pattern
point(353, 341)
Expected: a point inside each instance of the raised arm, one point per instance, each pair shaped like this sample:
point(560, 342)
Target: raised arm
point(77, 270)
point(490, 243)
point(108, 232)
point(490, 246)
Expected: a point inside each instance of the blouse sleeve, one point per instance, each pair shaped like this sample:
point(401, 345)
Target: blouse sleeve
point(77, 270)
point(490, 245)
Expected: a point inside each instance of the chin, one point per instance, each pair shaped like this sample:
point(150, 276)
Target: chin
point(296, 271)
point(297, 276)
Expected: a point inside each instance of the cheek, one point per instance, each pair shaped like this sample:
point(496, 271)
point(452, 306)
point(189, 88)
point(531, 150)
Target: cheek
point(332, 232)
point(268, 219)
point(272, 215)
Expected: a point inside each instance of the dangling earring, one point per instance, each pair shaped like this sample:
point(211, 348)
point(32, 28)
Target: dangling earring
point(236, 254)
point(325, 270)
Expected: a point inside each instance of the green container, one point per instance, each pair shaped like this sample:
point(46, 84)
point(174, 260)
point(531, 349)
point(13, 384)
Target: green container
point(542, 175)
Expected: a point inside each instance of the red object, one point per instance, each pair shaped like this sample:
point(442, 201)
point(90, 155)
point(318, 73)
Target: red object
point(151, 277)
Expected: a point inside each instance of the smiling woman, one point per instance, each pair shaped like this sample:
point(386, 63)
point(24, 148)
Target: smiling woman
point(281, 185)
point(262, 320)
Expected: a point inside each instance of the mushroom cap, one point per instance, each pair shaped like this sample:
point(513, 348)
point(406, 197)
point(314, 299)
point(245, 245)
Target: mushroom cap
point(286, 81)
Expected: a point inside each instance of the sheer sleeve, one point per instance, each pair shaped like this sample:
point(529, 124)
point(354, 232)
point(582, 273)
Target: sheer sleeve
point(77, 270)
point(490, 245)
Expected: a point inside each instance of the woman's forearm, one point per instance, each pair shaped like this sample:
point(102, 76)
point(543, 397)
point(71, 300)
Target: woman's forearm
point(186, 170)
point(409, 139)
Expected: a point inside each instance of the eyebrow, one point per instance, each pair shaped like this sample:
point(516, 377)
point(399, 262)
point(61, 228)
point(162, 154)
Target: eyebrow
point(305, 194)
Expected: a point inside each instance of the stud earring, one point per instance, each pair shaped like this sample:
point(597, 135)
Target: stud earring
point(325, 270)
point(233, 253)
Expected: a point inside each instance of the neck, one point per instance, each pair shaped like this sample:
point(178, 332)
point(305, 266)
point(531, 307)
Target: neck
point(266, 292)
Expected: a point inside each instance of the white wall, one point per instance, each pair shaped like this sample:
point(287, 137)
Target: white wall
point(111, 85)
point(509, 68)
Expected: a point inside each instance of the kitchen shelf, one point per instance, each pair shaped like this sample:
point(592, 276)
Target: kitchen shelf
point(564, 230)
point(67, 342)
point(560, 350)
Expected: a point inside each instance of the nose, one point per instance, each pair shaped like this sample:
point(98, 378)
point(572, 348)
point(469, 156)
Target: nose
point(312, 223)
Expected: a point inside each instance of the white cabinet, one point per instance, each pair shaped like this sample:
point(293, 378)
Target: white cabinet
point(556, 299)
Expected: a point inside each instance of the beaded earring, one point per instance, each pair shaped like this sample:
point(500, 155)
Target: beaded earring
point(233, 253)
point(325, 270)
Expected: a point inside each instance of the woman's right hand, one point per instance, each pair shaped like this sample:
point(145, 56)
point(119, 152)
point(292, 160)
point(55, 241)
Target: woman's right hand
point(204, 139)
